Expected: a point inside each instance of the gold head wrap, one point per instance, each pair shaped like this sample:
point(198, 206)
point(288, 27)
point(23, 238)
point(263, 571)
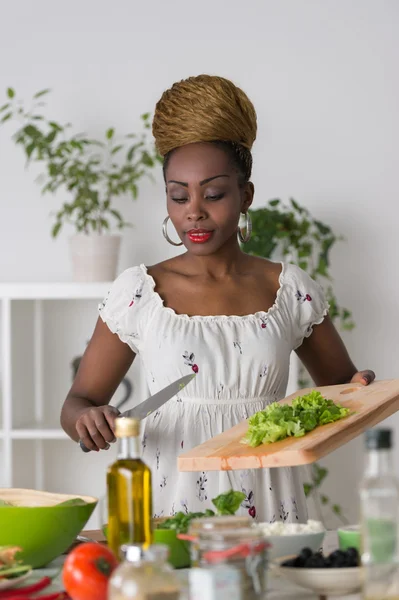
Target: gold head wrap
point(204, 109)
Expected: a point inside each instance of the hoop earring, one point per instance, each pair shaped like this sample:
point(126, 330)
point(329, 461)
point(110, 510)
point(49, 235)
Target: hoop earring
point(165, 233)
point(248, 230)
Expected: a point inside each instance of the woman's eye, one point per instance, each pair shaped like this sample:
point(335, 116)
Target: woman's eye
point(214, 196)
point(179, 200)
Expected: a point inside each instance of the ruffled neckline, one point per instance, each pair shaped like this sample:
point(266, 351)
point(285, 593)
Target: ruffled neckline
point(258, 315)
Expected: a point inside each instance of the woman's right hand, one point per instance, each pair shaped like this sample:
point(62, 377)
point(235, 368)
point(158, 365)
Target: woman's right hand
point(95, 426)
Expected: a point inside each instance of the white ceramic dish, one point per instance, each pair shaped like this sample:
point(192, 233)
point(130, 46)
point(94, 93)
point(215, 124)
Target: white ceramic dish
point(6, 584)
point(283, 545)
point(325, 582)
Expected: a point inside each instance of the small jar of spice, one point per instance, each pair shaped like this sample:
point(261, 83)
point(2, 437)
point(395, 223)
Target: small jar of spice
point(245, 550)
point(144, 575)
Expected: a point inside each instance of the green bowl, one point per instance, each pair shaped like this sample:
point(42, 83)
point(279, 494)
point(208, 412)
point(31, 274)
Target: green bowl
point(179, 550)
point(36, 524)
point(349, 537)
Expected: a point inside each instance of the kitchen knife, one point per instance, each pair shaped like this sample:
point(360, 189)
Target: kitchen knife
point(144, 409)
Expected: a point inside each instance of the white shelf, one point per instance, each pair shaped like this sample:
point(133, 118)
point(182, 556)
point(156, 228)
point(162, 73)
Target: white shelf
point(36, 433)
point(54, 291)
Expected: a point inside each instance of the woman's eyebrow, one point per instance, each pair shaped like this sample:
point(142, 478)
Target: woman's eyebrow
point(203, 182)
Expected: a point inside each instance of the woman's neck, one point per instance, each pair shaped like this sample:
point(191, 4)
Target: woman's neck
point(226, 261)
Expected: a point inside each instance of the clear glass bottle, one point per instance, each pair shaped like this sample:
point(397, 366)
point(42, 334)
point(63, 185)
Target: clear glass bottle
point(144, 575)
point(129, 491)
point(379, 503)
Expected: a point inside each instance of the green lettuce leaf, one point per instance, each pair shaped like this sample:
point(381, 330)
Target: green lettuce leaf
point(279, 421)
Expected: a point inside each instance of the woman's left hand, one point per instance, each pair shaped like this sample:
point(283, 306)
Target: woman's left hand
point(364, 377)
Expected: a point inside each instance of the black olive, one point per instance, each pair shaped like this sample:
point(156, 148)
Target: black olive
point(306, 553)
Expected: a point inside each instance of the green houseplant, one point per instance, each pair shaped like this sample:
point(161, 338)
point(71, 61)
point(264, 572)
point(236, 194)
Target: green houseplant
point(290, 231)
point(92, 172)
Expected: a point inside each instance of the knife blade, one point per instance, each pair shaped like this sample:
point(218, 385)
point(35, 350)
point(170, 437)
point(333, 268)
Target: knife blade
point(145, 408)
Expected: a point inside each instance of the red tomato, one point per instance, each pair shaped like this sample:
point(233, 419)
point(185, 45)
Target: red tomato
point(87, 570)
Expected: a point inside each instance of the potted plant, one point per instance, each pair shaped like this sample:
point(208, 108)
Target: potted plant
point(290, 231)
point(92, 172)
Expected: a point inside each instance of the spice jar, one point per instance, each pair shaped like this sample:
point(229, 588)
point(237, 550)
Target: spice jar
point(243, 549)
point(144, 575)
point(199, 526)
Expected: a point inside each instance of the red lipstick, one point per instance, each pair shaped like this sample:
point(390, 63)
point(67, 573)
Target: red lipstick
point(199, 236)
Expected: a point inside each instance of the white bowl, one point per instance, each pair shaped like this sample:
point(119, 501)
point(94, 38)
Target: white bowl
point(326, 582)
point(283, 545)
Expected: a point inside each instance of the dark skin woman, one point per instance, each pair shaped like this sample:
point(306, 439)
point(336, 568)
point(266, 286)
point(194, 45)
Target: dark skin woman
point(206, 192)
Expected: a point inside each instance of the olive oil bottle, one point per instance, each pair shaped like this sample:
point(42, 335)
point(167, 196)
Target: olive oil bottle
point(129, 491)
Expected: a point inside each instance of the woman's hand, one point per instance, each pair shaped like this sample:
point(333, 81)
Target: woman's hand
point(95, 426)
point(364, 377)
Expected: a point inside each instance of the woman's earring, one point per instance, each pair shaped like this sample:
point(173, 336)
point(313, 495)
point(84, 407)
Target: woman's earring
point(165, 233)
point(248, 230)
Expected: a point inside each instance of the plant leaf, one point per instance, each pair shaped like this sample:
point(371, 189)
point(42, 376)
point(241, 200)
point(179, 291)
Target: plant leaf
point(56, 229)
point(10, 92)
point(110, 133)
point(6, 117)
point(4, 107)
point(41, 93)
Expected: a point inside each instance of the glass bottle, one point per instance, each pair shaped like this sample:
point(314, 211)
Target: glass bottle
point(144, 575)
point(129, 491)
point(379, 503)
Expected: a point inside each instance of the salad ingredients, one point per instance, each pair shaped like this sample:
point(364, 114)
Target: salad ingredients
point(279, 421)
point(225, 504)
point(315, 560)
point(10, 567)
point(281, 528)
point(87, 570)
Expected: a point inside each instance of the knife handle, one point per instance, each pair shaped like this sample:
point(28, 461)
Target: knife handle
point(83, 447)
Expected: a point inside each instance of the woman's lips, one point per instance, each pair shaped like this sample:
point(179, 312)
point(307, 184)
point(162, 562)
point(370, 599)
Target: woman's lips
point(199, 236)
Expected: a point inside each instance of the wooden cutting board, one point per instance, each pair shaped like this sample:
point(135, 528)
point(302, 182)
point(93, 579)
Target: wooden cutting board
point(370, 405)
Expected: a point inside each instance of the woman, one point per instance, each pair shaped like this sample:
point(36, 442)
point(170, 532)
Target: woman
point(231, 318)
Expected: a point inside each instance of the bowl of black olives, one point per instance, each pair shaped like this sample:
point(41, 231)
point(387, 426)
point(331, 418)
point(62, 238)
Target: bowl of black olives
point(317, 572)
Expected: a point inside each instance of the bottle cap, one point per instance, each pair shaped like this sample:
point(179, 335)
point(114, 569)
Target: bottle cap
point(125, 427)
point(132, 553)
point(379, 439)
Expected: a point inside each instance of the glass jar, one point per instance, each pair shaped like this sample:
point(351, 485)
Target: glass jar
point(243, 549)
point(144, 575)
point(199, 526)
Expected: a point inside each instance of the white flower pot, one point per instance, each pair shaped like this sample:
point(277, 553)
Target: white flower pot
point(94, 257)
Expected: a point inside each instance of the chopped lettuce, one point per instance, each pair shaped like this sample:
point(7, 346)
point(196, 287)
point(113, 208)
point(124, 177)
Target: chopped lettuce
point(229, 503)
point(72, 502)
point(279, 421)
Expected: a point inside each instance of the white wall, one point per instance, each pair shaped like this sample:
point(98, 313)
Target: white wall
point(324, 78)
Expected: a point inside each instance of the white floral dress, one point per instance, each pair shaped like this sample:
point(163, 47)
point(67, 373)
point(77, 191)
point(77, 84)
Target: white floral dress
point(242, 364)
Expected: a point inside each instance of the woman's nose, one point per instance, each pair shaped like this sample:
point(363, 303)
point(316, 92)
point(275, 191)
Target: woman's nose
point(196, 210)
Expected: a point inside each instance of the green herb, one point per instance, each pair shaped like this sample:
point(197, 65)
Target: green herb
point(225, 504)
point(4, 503)
point(279, 421)
point(73, 502)
point(11, 572)
point(228, 504)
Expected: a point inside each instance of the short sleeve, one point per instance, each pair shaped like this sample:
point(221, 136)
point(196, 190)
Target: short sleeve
point(123, 309)
point(306, 303)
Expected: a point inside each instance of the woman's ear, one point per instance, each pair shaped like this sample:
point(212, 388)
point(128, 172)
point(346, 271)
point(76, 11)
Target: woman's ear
point(248, 192)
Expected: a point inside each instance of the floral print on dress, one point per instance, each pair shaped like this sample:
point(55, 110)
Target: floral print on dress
point(138, 294)
point(157, 456)
point(302, 297)
point(237, 345)
point(248, 503)
point(263, 322)
point(201, 487)
point(283, 513)
point(184, 505)
point(189, 360)
point(295, 508)
point(144, 442)
point(163, 481)
point(263, 373)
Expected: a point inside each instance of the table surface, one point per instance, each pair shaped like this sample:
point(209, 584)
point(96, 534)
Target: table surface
point(278, 589)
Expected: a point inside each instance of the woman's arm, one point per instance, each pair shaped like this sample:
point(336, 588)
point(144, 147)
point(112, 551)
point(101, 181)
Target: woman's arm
point(325, 357)
point(85, 414)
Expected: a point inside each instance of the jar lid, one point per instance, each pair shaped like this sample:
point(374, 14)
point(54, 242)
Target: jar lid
point(378, 439)
point(214, 523)
point(242, 534)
